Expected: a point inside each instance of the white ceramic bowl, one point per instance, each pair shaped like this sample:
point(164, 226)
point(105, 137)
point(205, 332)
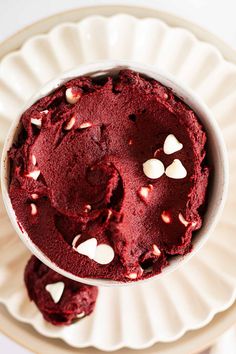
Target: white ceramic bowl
point(216, 153)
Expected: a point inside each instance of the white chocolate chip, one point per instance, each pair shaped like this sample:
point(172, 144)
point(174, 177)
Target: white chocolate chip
point(34, 161)
point(55, 290)
point(87, 208)
point(34, 196)
point(171, 145)
point(45, 111)
point(130, 142)
point(185, 222)
point(37, 122)
point(85, 125)
point(153, 168)
point(166, 217)
point(70, 124)
point(176, 170)
point(80, 315)
point(104, 254)
point(75, 241)
point(182, 220)
point(156, 250)
point(165, 96)
point(132, 276)
point(34, 174)
point(72, 97)
point(144, 192)
point(88, 248)
point(33, 209)
point(109, 214)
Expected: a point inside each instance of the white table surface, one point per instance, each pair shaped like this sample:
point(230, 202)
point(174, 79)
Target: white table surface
point(218, 16)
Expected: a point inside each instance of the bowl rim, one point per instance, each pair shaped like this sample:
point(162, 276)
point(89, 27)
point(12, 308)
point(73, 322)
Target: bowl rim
point(221, 179)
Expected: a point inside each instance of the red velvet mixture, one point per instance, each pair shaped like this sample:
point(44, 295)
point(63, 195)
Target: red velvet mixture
point(90, 157)
point(77, 300)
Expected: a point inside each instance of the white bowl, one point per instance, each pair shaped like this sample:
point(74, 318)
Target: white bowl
point(216, 153)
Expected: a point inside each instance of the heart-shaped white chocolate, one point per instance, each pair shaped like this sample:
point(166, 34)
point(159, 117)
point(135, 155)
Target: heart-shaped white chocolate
point(88, 248)
point(176, 170)
point(33, 174)
point(55, 290)
point(171, 144)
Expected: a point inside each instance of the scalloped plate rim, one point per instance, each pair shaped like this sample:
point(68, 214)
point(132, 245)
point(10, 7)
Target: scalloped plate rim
point(222, 60)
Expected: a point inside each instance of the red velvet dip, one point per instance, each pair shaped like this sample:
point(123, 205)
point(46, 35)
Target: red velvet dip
point(78, 177)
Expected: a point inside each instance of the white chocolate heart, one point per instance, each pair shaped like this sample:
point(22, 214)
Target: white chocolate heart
point(88, 248)
point(153, 168)
point(104, 254)
point(171, 145)
point(55, 290)
point(37, 122)
point(176, 170)
point(33, 174)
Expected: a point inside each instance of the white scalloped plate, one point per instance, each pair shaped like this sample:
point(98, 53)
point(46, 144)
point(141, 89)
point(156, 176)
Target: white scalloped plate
point(162, 310)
